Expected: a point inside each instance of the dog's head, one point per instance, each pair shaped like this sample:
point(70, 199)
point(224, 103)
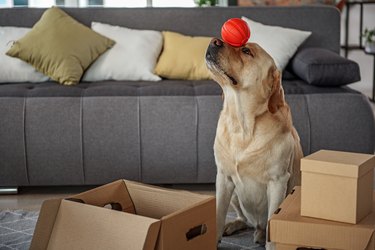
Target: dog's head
point(248, 69)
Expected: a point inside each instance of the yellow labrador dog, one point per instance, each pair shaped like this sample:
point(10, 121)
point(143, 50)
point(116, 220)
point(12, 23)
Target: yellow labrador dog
point(257, 149)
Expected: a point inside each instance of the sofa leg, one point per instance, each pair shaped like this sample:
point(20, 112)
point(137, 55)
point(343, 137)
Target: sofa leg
point(8, 190)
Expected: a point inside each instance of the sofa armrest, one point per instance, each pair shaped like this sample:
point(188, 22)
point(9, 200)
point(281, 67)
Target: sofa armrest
point(323, 67)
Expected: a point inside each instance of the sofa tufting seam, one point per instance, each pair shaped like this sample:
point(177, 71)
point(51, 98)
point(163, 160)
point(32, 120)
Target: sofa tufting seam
point(82, 139)
point(24, 139)
point(140, 177)
point(196, 134)
point(305, 97)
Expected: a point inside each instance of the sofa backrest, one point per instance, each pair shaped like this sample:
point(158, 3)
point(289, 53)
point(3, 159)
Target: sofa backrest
point(323, 21)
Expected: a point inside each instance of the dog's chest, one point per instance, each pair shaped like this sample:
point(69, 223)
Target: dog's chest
point(259, 157)
point(239, 158)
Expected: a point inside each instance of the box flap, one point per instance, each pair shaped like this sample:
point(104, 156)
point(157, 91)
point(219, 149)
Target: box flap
point(188, 219)
point(112, 193)
point(81, 226)
point(156, 202)
point(338, 163)
point(44, 226)
point(288, 227)
point(190, 228)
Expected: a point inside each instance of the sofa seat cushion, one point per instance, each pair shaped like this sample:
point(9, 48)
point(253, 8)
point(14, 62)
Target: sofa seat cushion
point(295, 87)
point(146, 88)
point(112, 88)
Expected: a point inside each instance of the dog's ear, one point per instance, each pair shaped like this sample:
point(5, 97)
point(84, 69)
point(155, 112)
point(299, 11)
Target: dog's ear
point(276, 99)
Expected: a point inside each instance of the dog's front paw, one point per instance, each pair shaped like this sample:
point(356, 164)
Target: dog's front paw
point(270, 246)
point(218, 238)
point(260, 236)
point(233, 227)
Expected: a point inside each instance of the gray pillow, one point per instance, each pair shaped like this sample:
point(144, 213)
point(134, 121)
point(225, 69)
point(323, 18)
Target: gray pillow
point(324, 68)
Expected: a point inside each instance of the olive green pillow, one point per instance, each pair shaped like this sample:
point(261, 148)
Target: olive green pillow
point(60, 47)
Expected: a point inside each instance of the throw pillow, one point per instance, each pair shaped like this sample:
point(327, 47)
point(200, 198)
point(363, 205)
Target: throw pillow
point(60, 47)
point(183, 57)
point(14, 69)
point(283, 2)
point(133, 57)
point(281, 43)
point(322, 67)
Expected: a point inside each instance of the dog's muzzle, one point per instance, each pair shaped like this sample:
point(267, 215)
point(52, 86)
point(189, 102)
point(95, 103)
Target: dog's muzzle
point(212, 58)
point(213, 49)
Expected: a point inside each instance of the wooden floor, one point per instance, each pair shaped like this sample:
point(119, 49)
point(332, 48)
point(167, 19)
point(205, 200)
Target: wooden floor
point(32, 198)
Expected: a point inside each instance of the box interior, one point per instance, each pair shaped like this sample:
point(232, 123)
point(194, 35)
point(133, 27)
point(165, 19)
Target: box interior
point(140, 199)
point(113, 195)
point(158, 202)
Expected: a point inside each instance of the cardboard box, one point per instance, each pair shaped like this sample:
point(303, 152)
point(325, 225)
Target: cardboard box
point(147, 218)
point(289, 230)
point(337, 185)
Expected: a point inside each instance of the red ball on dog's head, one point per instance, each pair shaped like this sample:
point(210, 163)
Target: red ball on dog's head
point(235, 32)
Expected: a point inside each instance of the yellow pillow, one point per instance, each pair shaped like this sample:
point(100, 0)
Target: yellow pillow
point(183, 57)
point(60, 47)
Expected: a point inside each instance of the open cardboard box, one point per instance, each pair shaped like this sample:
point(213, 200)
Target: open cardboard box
point(291, 231)
point(148, 217)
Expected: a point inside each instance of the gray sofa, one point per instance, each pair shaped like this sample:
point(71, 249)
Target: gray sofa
point(160, 132)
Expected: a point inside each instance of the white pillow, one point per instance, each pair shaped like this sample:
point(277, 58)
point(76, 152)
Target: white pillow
point(133, 57)
point(280, 43)
point(13, 69)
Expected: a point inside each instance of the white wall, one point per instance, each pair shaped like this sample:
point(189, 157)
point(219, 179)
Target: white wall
point(365, 61)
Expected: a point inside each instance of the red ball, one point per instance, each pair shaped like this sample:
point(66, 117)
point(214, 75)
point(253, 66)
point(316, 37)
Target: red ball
point(235, 32)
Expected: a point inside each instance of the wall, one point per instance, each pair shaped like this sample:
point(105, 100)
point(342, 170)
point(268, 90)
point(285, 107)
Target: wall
point(365, 61)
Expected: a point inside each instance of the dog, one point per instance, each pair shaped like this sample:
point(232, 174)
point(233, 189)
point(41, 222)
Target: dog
point(257, 149)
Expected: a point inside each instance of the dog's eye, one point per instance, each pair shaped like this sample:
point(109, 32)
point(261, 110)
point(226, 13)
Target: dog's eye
point(247, 51)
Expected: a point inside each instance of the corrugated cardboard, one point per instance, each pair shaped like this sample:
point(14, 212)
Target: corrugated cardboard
point(289, 230)
point(149, 218)
point(337, 185)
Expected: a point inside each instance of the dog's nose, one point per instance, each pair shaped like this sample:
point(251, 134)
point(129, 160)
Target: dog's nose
point(213, 49)
point(217, 42)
